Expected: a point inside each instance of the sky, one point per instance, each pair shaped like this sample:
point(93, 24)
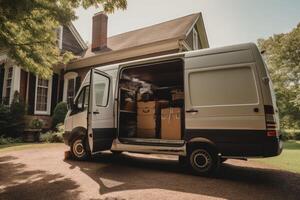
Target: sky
point(227, 22)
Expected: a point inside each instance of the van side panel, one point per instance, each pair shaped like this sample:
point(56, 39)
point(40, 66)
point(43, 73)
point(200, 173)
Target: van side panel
point(224, 102)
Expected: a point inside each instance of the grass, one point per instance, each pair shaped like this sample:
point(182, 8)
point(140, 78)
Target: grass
point(22, 146)
point(288, 160)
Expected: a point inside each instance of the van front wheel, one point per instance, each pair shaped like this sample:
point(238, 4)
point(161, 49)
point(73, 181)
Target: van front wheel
point(79, 148)
point(203, 160)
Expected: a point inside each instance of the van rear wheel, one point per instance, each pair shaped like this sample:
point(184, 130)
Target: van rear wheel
point(79, 148)
point(203, 160)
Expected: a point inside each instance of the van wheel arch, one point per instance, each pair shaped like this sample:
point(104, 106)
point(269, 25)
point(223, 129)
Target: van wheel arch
point(76, 132)
point(201, 142)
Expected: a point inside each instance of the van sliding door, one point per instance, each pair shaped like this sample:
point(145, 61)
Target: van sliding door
point(101, 130)
point(223, 102)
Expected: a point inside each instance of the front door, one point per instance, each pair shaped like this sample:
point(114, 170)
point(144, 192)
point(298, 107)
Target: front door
point(101, 128)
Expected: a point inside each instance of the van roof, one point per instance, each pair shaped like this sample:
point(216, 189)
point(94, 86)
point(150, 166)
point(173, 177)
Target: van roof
point(187, 54)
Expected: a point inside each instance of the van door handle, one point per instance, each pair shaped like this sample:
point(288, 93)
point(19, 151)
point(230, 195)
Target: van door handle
point(96, 112)
point(192, 111)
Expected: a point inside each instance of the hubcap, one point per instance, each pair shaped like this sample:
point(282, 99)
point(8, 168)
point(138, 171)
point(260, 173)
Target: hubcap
point(202, 159)
point(78, 148)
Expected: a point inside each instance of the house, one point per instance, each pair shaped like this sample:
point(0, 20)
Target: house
point(181, 34)
point(40, 96)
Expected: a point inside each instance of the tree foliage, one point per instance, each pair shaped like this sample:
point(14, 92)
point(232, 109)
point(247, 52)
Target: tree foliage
point(282, 53)
point(27, 30)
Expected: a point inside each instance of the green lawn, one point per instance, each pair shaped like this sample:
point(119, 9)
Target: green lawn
point(288, 160)
point(21, 146)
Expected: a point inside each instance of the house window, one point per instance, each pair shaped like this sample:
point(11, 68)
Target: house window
point(71, 90)
point(8, 86)
point(59, 35)
point(11, 82)
point(43, 96)
point(69, 86)
point(195, 39)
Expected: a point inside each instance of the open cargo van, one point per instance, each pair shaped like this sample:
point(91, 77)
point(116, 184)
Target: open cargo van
point(203, 106)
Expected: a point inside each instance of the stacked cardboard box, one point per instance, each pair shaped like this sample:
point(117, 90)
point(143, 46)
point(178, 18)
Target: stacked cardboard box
point(171, 123)
point(146, 119)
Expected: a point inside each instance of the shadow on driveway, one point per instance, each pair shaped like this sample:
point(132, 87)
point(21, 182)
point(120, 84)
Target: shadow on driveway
point(127, 172)
point(18, 183)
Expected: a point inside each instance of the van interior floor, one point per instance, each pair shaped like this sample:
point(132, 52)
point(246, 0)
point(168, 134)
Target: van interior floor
point(151, 102)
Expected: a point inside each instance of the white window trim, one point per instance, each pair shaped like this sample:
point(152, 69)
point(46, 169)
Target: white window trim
point(15, 81)
point(60, 29)
point(67, 77)
point(195, 39)
point(47, 112)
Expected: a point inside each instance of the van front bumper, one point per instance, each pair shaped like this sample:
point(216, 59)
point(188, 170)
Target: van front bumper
point(66, 137)
point(273, 147)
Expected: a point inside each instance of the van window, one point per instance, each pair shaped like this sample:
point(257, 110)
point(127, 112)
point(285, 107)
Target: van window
point(101, 87)
point(227, 86)
point(82, 100)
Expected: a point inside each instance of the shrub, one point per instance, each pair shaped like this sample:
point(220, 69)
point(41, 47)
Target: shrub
point(5, 117)
point(297, 135)
point(53, 136)
point(12, 117)
point(9, 140)
point(289, 134)
point(59, 113)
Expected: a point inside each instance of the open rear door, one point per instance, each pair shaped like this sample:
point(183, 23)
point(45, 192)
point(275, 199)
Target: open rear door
point(101, 129)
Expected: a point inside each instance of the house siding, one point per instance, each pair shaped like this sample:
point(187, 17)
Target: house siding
point(69, 42)
point(189, 39)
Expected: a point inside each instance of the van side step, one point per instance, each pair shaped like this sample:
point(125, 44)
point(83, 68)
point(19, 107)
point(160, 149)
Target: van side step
point(136, 145)
point(152, 142)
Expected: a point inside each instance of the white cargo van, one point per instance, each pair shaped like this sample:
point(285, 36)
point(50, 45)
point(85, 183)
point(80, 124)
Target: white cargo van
point(204, 106)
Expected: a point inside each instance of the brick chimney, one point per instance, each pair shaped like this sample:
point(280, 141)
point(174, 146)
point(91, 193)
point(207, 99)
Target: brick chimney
point(99, 31)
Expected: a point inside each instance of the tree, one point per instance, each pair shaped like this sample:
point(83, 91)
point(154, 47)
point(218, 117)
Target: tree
point(27, 30)
point(282, 54)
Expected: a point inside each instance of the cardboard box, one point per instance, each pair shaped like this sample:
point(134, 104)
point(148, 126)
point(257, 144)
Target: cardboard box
point(148, 107)
point(171, 124)
point(146, 119)
point(129, 106)
point(162, 104)
point(177, 94)
point(146, 133)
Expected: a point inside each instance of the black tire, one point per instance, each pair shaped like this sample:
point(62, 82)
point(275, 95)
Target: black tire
point(182, 160)
point(79, 148)
point(203, 160)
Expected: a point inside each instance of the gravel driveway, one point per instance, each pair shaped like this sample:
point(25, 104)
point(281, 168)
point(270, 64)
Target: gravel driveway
point(41, 173)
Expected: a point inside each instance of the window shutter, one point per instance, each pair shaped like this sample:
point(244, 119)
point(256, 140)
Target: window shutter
point(77, 84)
point(54, 91)
point(31, 93)
point(2, 72)
point(61, 89)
